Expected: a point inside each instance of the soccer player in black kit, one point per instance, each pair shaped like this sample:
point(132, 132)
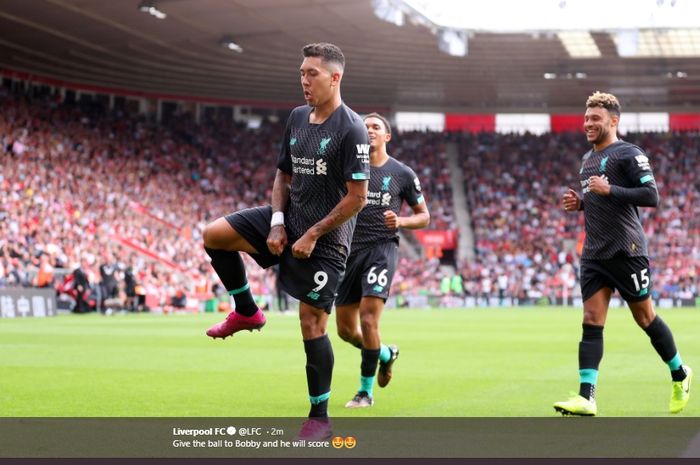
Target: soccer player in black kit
point(320, 185)
point(616, 178)
point(373, 258)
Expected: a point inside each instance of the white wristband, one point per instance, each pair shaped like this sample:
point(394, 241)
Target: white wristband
point(277, 219)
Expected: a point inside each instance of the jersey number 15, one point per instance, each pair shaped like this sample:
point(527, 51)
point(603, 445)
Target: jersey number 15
point(642, 277)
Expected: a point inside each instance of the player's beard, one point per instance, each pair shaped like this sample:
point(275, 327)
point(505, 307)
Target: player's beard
point(602, 136)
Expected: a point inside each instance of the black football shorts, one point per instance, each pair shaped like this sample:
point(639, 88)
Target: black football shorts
point(629, 275)
point(369, 273)
point(313, 281)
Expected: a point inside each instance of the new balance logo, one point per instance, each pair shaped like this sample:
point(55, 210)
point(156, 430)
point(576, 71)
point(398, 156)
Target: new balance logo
point(292, 141)
point(313, 295)
point(362, 149)
point(321, 167)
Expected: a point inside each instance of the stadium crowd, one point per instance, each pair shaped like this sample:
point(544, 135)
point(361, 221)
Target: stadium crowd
point(89, 188)
point(125, 200)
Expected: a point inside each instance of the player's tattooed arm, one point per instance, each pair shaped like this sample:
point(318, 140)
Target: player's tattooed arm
point(280, 191)
point(350, 205)
point(277, 238)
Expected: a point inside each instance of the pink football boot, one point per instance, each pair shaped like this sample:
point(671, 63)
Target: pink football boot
point(235, 322)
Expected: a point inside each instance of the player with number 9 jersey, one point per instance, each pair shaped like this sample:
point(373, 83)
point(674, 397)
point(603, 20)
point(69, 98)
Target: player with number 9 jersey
point(320, 186)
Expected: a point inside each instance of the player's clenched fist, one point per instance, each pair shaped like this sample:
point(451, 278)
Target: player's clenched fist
point(277, 240)
point(391, 220)
point(599, 185)
point(571, 201)
point(303, 247)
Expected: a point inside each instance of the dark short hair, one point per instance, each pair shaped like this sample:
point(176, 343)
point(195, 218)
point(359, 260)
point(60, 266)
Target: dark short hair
point(603, 100)
point(387, 126)
point(328, 52)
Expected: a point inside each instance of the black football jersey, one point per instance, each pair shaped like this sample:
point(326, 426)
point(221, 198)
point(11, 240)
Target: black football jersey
point(321, 158)
point(389, 186)
point(613, 226)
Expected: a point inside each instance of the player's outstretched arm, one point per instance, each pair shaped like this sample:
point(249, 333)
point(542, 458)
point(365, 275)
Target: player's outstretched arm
point(277, 239)
point(419, 219)
point(349, 206)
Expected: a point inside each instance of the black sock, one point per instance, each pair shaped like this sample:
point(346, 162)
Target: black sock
point(229, 266)
point(662, 339)
point(587, 390)
point(319, 370)
point(370, 360)
point(679, 374)
point(319, 410)
point(590, 353)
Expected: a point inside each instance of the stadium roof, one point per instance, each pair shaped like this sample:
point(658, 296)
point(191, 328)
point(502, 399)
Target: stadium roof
point(554, 15)
point(114, 44)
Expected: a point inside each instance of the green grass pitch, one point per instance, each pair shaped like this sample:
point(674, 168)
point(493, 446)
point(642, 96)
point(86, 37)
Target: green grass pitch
point(460, 362)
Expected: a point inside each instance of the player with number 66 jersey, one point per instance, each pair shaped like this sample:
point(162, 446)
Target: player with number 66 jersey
point(373, 258)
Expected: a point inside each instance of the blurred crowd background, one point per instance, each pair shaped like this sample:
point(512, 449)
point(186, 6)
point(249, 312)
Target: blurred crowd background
point(108, 207)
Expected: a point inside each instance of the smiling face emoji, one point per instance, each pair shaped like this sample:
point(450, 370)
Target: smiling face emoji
point(337, 442)
point(350, 442)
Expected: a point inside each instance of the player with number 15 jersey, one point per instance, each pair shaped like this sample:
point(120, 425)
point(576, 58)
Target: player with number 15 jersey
point(616, 178)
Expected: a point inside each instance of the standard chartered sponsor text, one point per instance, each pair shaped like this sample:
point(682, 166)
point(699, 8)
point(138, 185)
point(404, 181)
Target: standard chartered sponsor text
point(303, 169)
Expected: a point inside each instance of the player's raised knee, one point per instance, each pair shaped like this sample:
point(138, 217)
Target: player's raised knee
point(220, 235)
point(210, 236)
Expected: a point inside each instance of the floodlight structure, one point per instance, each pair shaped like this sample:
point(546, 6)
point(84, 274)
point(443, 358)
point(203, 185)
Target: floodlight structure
point(450, 40)
point(150, 7)
point(639, 28)
point(230, 44)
